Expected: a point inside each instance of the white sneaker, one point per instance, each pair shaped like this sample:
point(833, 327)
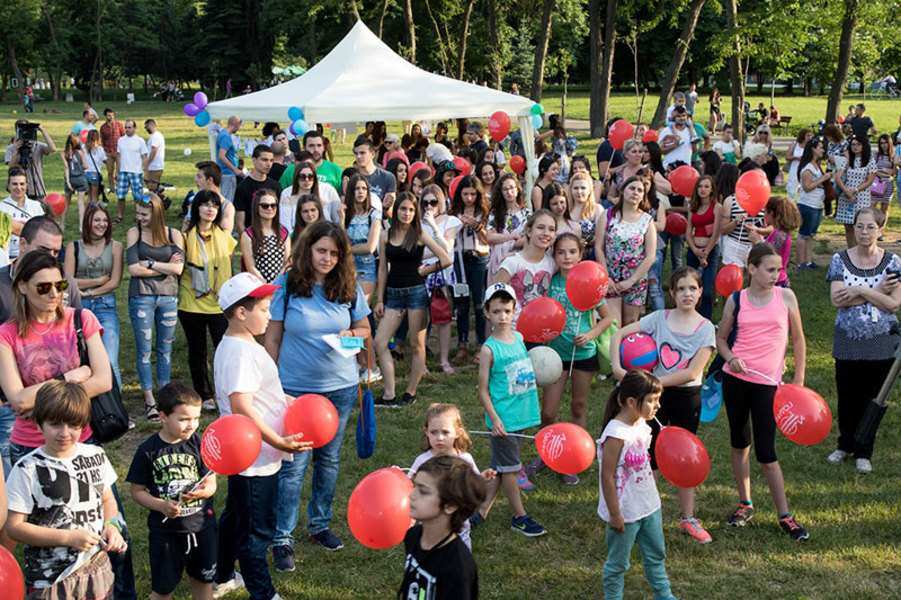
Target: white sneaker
point(276, 597)
point(372, 376)
point(837, 457)
point(209, 405)
point(863, 466)
point(235, 583)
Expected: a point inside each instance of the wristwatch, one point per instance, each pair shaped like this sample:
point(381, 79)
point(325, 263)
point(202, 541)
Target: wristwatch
point(150, 263)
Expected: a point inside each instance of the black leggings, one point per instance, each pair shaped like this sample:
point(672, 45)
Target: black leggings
point(679, 406)
point(744, 399)
point(196, 326)
point(857, 383)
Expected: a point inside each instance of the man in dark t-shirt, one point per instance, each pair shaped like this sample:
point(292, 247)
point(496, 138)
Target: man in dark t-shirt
point(861, 124)
point(381, 182)
point(258, 179)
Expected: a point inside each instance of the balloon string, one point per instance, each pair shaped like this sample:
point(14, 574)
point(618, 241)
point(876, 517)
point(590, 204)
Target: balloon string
point(659, 423)
point(519, 435)
point(765, 376)
point(572, 358)
point(192, 490)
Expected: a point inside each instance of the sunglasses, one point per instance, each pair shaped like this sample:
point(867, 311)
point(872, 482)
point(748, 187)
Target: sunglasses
point(268, 206)
point(44, 288)
point(430, 201)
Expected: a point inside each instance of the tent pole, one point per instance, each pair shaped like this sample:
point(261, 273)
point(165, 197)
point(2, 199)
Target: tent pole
point(528, 144)
point(211, 140)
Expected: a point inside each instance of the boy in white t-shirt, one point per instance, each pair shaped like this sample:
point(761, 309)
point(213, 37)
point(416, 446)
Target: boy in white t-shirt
point(247, 383)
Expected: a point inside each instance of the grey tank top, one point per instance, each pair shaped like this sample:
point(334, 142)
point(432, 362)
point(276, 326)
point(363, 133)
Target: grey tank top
point(89, 267)
point(158, 285)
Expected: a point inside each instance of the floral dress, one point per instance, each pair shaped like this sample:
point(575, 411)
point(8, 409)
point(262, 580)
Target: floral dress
point(884, 163)
point(624, 250)
point(514, 222)
point(854, 175)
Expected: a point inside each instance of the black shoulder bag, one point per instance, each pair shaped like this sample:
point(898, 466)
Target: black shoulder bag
point(109, 419)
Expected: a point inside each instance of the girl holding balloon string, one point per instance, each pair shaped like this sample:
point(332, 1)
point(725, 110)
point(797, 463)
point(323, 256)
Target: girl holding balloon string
point(767, 317)
point(685, 342)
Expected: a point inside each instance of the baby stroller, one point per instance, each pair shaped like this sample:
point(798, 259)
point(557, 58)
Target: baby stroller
point(888, 85)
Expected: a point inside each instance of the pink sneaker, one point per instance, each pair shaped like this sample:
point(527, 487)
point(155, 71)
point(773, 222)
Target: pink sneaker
point(693, 527)
point(522, 480)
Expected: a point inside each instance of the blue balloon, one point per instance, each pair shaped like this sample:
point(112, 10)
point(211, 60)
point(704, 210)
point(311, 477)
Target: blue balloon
point(537, 121)
point(295, 114)
point(202, 119)
point(299, 127)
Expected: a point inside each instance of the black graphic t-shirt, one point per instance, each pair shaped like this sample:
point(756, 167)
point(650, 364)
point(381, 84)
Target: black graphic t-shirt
point(59, 493)
point(446, 572)
point(168, 471)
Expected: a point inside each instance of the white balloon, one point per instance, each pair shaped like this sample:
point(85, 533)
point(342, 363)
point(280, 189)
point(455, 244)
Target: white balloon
point(187, 152)
point(547, 365)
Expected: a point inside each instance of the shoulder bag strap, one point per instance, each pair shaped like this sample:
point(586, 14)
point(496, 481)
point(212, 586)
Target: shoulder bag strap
point(79, 335)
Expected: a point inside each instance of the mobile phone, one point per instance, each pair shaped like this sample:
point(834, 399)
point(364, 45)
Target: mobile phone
point(351, 343)
point(892, 273)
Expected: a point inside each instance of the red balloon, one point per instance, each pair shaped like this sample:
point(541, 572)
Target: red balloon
point(650, 135)
point(801, 414)
point(455, 182)
point(499, 125)
point(586, 285)
point(565, 448)
point(681, 457)
point(518, 164)
point(11, 578)
point(619, 132)
point(83, 136)
point(841, 119)
point(729, 279)
point(541, 320)
point(752, 191)
point(230, 444)
point(676, 224)
point(463, 165)
point(683, 180)
point(419, 166)
point(56, 202)
point(315, 417)
point(378, 512)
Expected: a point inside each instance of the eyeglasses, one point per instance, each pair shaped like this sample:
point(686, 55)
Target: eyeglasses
point(305, 176)
point(430, 201)
point(268, 206)
point(44, 288)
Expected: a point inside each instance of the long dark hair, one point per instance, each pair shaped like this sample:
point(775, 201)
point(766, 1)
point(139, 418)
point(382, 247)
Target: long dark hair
point(695, 203)
point(638, 384)
point(256, 222)
point(645, 203)
point(499, 203)
point(87, 233)
point(414, 230)
point(888, 140)
point(545, 164)
point(726, 178)
point(864, 151)
point(204, 197)
point(807, 155)
point(299, 224)
point(340, 283)
point(295, 182)
point(481, 206)
point(26, 267)
point(349, 202)
point(656, 157)
point(391, 167)
point(553, 190)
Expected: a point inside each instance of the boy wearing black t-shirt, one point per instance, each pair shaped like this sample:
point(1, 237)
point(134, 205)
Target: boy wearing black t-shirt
point(168, 477)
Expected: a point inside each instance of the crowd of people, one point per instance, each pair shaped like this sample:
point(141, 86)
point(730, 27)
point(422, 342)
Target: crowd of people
point(275, 263)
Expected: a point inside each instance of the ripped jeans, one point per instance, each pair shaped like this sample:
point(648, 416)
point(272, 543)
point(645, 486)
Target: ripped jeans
point(147, 313)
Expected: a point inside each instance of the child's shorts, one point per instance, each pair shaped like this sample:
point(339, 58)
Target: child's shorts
point(172, 552)
point(92, 581)
point(505, 453)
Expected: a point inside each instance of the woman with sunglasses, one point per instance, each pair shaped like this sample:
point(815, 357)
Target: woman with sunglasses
point(95, 263)
point(265, 247)
point(156, 257)
point(764, 136)
point(208, 253)
point(853, 182)
point(306, 182)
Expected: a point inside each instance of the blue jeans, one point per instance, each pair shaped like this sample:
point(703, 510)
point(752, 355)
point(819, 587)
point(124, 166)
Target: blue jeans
point(648, 532)
point(677, 250)
point(245, 532)
point(708, 278)
point(476, 270)
point(104, 308)
point(7, 419)
point(148, 313)
point(655, 277)
point(228, 185)
point(326, 461)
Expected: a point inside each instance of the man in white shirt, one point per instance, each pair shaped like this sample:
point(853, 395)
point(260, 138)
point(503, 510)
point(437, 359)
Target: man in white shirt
point(156, 155)
point(677, 139)
point(132, 161)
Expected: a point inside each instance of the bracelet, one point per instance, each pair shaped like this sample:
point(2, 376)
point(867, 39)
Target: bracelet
point(113, 523)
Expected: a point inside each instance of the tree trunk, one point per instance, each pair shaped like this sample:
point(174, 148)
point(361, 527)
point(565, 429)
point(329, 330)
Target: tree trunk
point(675, 65)
point(410, 27)
point(808, 86)
point(736, 79)
point(789, 86)
point(604, 70)
point(382, 17)
point(544, 38)
point(441, 52)
point(595, 42)
point(14, 63)
point(849, 23)
point(353, 13)
point(759, 79)
point(461, 58)
point(494, 40)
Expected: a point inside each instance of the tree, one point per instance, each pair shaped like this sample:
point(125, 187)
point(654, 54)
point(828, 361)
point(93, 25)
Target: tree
point(410, 30)
point(849, 23)
point(736, 78)
point(603, 43)
point(544, 37)
point(672, 71)
point(461, 57)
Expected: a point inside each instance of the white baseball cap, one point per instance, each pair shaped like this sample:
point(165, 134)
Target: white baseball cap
point(243, 285)
point(499, 288)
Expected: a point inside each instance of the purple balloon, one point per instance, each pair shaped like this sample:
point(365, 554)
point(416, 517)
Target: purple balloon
point(192, 109)
point(200, 100)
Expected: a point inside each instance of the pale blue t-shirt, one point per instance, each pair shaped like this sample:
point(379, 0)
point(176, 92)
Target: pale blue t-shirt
point(305, 362)
point(511, 385)
point(224, 141)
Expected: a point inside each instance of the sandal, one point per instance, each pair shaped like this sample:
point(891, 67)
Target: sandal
point(151, 413)
point(448, 369)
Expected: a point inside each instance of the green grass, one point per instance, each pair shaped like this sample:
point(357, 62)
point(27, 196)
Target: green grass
point(854, 521)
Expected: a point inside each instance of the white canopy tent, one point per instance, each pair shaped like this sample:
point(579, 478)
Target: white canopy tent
point(362, 79)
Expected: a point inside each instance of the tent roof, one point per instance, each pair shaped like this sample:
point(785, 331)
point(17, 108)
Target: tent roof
point(362, 79)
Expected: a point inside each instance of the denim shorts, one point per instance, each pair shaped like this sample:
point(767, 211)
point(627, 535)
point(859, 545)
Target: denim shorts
point(366, 268)
point(505, 454)
point(810, 220)
point(410, 298)
point(93, 177)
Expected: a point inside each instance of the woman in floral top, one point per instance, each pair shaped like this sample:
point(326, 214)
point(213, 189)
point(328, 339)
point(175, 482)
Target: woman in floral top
point(506, 222)
point(865, 286)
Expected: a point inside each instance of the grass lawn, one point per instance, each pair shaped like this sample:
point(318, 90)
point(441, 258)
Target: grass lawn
point(854, 520)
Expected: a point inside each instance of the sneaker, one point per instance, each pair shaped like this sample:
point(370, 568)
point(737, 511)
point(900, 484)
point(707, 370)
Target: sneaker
point(209, 405)
point(693, 527)
point(742, 515)
point(837, 457)
point(406, 400)
point(383, 402)
point(527, 526)
point(522, 480)
point(235, 583)
point(283, 558)
point(535, 467)
point(812, 266)
point(367, 376)
point(570, 479)
point(863, 465)
point(476, 519)
point(328, 540)
point(792, 528)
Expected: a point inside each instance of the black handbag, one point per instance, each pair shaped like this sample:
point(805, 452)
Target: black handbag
point(109, 419)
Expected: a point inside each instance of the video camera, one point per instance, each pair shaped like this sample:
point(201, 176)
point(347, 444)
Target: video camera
point(27, 132)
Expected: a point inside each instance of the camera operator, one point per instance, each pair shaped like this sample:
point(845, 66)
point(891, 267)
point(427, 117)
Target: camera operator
point(28, 153)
